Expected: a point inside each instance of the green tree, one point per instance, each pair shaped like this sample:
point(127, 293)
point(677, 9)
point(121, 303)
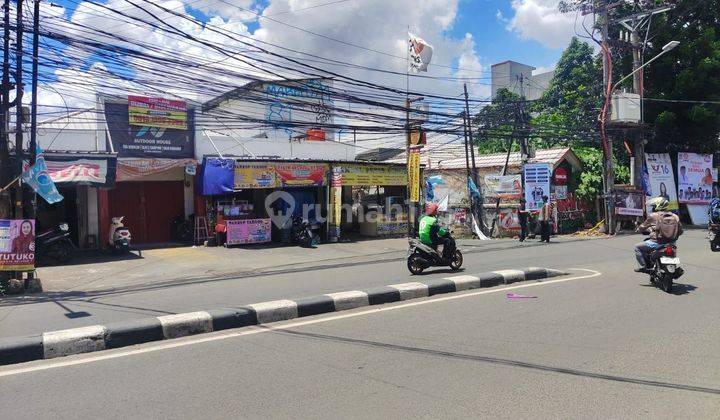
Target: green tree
point(689, 72)
point(496, 123)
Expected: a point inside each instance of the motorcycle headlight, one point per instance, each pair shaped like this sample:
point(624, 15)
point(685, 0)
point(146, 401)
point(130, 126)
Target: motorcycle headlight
point(64, 227)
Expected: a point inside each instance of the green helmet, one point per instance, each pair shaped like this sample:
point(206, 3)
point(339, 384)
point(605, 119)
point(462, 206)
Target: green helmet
point(660, 204)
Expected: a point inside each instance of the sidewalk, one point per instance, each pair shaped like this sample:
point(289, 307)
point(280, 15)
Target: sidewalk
point(191, 264)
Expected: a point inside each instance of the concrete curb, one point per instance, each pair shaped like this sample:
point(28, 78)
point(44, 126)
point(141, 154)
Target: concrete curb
point(127, 333)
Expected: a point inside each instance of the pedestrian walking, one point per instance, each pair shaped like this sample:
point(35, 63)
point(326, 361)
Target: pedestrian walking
point(523, 215)
point(544, 219)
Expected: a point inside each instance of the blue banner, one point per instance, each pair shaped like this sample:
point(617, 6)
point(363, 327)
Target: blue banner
point(37, 177)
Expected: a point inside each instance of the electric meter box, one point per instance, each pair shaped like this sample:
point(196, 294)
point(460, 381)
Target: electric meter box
point(625, 108)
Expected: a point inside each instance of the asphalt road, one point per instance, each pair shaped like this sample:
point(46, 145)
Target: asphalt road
point(606, 346)
point(33, 314)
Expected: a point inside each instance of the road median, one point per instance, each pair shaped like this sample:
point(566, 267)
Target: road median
point(127, 333)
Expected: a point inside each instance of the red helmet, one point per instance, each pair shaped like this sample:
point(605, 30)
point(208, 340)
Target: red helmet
point(431, 209)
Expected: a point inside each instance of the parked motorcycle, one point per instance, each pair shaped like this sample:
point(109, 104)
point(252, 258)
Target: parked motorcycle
point(665, 267)
point(421, 256)
point(714, 236)
point(55, 243)
point(304, 233)
point(120, 236)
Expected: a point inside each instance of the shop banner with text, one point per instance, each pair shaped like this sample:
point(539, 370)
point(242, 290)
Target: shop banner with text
point(134, 169)
point(363, 175)
point(413, 176)
point(695, 180)
point(660, 178)
point(537, 184)
point(504, 186)
point(250, 231)
point(140, 141)
point(157, 112)
point(17, 245)
point(301, 174)
point(254, 175)
point(82, 171)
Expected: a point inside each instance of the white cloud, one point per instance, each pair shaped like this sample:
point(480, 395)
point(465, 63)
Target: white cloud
point(380, 25)
point(541, 21)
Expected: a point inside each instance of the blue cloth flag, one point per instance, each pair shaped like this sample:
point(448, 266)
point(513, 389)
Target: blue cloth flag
point(38, 178)
point(473, 188)
point(430, 187)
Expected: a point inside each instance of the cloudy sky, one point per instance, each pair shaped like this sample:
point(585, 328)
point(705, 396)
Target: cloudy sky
point(468, 35)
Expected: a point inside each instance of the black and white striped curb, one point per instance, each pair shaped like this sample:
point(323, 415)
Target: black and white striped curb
point(137, 331)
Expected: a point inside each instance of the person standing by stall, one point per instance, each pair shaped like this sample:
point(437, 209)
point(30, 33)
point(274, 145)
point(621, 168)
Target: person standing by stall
point(523, 215)
point(544, 219)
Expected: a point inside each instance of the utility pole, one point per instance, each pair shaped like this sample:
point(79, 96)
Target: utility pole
point(467, 158)
point(33, 110)
point(18, 109)
point(523, 136)
point(470, 135)
point(635, 24)
point(470, 144)
point(608, 175)
point(5, 88)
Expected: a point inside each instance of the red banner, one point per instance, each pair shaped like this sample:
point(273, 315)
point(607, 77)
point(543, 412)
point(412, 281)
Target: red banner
point(301, 174)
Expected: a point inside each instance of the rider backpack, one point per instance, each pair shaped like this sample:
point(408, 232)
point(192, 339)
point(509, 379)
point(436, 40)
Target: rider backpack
point(668, 228)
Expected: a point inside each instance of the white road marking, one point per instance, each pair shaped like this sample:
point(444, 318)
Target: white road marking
point(41, 365)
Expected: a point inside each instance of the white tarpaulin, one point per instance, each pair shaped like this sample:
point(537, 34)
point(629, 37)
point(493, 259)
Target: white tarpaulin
point(420, 54)
point(661, 179)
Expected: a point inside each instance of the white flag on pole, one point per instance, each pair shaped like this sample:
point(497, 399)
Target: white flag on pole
point(420, 54)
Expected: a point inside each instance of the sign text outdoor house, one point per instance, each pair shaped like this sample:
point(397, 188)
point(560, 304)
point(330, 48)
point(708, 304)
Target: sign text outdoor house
point(145, 141)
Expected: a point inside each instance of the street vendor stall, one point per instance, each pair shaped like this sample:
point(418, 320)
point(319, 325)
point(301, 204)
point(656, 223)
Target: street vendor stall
point(368, 200)
point(241, 205)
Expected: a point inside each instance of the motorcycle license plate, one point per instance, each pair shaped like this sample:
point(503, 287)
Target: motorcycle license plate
point(667, 260)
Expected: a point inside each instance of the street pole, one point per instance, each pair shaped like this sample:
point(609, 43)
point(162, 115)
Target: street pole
point(467, 159)
point(4, 113)
point(471, 142)
point(18, 109)
point(33, 110)
point(608, 176)
point(476, 211)
point(411, 207)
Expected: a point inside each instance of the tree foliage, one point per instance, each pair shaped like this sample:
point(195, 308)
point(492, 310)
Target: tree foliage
point(689, 72)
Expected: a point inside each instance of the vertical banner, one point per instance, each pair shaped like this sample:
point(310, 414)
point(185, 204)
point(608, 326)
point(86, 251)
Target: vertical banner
point(17, 245)
point(537, 184)
point(661, 178)
point(414, 176)
point(695, 179)
point(336, 197)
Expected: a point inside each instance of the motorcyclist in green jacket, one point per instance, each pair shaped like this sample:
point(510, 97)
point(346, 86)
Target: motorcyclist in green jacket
point(432, 234)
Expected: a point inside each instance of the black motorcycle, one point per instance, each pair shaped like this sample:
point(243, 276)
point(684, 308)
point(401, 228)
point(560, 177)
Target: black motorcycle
point(714, 236)
point(665, 267)
point(304, 232)
point(421, 256)
point(55, 243)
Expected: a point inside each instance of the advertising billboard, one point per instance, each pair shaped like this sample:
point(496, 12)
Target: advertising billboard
point(157, 112)
point(661, 178)
point(17, 245)
point(695, 179)
point(537, 184)
point(146, 141)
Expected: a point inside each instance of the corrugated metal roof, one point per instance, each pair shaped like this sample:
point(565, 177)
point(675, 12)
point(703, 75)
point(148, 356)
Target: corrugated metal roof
point(435, 160)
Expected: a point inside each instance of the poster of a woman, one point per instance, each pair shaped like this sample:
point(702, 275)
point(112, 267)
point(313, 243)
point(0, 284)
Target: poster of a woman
point(24, 242)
